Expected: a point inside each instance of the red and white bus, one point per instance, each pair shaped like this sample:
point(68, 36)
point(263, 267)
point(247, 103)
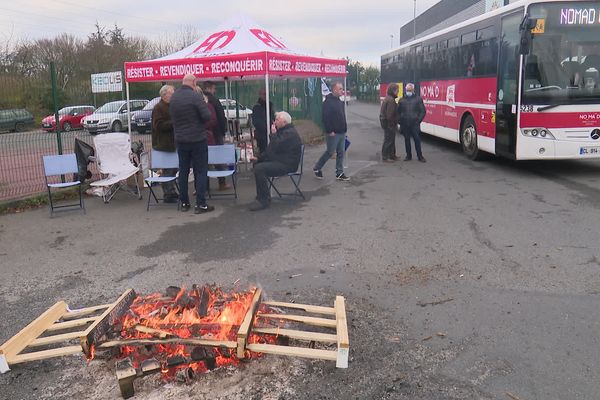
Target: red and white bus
point(520, 82)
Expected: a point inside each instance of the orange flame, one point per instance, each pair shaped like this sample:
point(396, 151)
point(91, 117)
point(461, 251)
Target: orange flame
point(179, 317)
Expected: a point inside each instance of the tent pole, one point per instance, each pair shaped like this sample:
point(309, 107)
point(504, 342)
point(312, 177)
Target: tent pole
point(128, 110)
point(346, 117)
point(269, 122)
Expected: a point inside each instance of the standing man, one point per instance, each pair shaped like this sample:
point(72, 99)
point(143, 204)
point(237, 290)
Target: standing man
point(411, 112)
point(209, 89)
point(190, 115)
point(163, 138)
point(388, 117)
point(334, 119)
point(281, 157)
point(259, 120)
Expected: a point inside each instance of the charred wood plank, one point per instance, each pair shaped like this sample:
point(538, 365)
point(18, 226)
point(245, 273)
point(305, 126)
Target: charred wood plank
point(95, 331)
point(185, 342)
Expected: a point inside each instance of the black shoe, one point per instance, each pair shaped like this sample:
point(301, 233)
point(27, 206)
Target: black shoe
point(342, 177)
point(407, 158)
point(257, 206)
point(422, 159)
point(318, 173)
point(203, 209)
point(185, 207)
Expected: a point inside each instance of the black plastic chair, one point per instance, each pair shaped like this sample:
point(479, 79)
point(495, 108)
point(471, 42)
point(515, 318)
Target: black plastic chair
point(295, 176)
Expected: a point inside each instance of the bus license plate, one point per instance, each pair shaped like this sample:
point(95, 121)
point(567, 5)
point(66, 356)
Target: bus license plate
point(589, 151)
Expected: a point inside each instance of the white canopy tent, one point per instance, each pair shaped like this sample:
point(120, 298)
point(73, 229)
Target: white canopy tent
point(238, 49)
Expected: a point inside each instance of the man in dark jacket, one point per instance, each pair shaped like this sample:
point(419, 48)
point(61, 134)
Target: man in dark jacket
point(281, 157)
point(388, 117)
point(259, 120)
point(163, 139)
point(411, 112)
point(334, 120)
point(190, 115)
point(209, 89)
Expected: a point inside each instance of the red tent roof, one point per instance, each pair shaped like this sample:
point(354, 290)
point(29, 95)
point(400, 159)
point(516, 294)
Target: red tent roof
point(239, 48)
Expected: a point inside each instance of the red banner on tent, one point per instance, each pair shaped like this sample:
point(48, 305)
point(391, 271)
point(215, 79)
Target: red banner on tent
point(251, 64)
point(239, 65)
point(283, 64)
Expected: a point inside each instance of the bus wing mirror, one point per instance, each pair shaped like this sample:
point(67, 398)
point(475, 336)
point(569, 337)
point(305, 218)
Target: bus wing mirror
point(525, 28)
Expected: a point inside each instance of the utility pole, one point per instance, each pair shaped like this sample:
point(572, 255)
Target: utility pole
point(391, 41)
point(415, 20)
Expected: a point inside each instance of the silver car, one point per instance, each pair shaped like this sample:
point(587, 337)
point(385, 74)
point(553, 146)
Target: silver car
point(111, 116)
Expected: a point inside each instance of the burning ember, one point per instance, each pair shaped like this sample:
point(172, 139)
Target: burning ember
point(185, 332)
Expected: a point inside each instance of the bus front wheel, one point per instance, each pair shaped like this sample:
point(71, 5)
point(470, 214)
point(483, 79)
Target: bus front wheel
point(468, 139)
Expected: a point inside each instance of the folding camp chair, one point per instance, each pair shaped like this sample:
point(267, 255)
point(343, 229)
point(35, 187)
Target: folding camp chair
point(61, 165)
point(161, 160)
point(222, 154)
point(295, 176)
point(113, 151)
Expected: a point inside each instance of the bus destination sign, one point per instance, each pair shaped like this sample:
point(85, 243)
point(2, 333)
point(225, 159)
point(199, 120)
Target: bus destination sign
point(579, 16)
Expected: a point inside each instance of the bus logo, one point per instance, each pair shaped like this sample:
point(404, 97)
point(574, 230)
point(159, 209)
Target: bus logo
point(595, 134)
point(450, 96)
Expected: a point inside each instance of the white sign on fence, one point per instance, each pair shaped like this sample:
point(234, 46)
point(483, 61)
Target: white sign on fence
point(107, 82)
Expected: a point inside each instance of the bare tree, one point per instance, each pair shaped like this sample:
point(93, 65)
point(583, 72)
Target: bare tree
point(175, 41)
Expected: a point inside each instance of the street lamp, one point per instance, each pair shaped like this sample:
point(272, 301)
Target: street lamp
point(391, 41)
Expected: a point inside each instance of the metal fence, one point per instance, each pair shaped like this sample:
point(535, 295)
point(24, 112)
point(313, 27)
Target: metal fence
point(24, 141)
point(21, 168)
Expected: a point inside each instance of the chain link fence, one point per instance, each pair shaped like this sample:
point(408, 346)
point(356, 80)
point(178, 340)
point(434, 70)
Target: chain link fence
point(28, 129)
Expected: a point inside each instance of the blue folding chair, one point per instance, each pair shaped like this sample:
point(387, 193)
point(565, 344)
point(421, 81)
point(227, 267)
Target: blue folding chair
point(161, 160)
point(222, 155)
point(295, 176)
point(62, 165)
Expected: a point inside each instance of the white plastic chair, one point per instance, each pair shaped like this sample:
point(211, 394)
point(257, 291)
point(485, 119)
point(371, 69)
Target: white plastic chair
point(62, 165)
point(161, 160)
point(114, 163)
point(218, 155)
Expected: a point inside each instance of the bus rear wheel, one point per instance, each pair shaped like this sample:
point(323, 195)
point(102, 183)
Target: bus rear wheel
point(468, 139)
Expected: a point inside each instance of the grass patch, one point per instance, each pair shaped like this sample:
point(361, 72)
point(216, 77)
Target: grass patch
point(309, 132)
point(37, 201)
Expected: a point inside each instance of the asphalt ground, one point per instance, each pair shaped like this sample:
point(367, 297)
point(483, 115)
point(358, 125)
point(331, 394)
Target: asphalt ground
point(463, 280)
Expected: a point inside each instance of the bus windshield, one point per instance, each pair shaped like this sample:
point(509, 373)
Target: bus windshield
point(563, 66)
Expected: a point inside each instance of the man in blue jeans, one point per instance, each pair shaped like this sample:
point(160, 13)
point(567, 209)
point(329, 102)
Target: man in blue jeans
point(190, 114)
point(334, 120)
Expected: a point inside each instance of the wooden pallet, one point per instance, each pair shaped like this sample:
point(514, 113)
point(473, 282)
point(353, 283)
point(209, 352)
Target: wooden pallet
point(339, 325)
point(94, 321)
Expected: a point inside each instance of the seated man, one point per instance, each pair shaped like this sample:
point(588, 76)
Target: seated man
point(280, 158)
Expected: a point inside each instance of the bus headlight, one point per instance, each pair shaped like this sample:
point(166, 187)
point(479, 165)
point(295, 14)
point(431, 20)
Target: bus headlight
point(540, 133)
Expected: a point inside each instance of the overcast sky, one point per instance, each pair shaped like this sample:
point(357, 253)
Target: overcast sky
point(359, 29)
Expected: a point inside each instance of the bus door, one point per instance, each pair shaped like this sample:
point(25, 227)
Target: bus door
point(508, 84)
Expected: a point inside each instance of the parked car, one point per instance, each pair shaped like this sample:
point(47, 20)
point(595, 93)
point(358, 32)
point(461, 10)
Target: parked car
point(111, 116)
point(15, 120)
point(230, 113)
point(70, 118)
point(141, 120)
